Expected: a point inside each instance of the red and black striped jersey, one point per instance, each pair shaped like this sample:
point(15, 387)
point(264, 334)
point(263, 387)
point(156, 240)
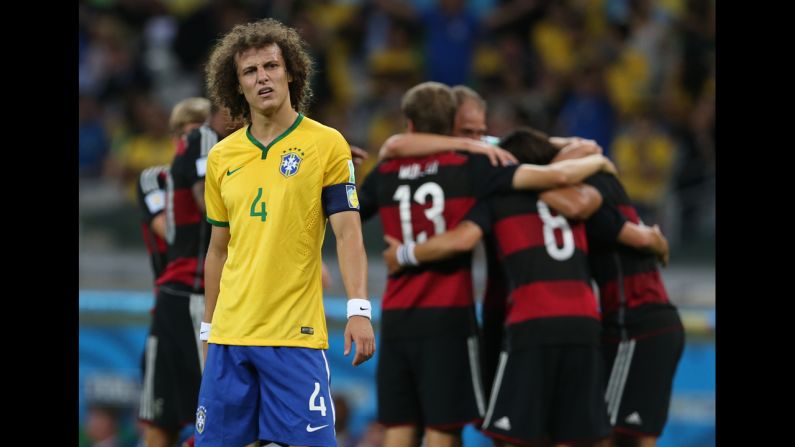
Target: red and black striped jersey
point(416, 199)
point(496, 293)
point(611, 263)
point(544, 257)
point(152, 201)
point(187, 231)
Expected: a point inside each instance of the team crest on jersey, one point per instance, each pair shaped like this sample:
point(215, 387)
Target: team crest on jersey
point(291, 161)
point(201, 417)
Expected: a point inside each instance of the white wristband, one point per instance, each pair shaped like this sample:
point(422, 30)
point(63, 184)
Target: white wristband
point(405, 254)
point(359, 306)
point(204, 332)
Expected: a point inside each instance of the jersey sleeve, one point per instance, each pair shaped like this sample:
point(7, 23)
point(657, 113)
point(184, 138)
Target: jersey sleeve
point(150, 192)
point(606, 223)
point(216, 210)
point(339, 181)
point(189, 166)
point(481, 215)
point(490, 179)
point(368, 195)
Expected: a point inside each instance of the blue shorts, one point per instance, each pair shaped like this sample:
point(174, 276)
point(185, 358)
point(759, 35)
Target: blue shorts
point(279, 394)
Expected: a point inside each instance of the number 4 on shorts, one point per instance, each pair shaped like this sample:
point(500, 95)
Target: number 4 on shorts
point(322, 407)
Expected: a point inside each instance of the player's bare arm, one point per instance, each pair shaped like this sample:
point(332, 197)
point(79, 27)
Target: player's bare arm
point(577, 202)
point(347, 229)
point(645, 238)
point(561, 142)
point(417, 144)
point(198, 195)
point(577, 149)
point(213, 266)
point(563, 173)
point(158, 225)
point(460, 239)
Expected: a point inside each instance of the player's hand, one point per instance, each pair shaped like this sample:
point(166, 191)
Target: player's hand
point(501, 157)
point(359, 155)
point(497, 155)
point(359, 330)
point(390, 255)
point(662, 248)
point(609, 167)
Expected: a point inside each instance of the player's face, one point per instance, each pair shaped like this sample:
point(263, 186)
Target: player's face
point(470, 121)
point(263, 79)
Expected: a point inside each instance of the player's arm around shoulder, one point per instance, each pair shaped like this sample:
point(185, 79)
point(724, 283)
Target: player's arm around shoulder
point(577, 202)
point(460, 239)
point(562, 173)
point(347, 229)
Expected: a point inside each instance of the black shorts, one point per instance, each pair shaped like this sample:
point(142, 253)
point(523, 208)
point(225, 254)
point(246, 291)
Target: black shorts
point(641, 373)
point(432, 382)
point(172, 361)
point(548, 393)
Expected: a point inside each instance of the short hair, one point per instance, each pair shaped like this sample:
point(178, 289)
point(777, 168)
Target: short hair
point(221, 70)
point(464, 93)
point(529, 146)
point(189, 111)
point(431, 107)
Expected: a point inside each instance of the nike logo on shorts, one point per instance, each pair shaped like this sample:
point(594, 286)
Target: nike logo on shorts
point(310, 429)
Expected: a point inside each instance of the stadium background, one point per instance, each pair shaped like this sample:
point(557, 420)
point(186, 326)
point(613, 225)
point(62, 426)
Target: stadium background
point(637, 76)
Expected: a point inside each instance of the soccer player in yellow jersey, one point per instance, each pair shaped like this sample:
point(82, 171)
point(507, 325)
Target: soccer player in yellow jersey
point(269, 188)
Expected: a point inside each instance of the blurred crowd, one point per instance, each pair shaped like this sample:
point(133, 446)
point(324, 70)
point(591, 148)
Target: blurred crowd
point(638, 76)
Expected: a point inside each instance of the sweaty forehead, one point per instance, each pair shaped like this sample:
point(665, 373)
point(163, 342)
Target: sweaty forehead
point(254, 56)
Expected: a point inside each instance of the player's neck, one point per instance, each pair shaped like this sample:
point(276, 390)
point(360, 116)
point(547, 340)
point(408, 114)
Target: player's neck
point(267, 127)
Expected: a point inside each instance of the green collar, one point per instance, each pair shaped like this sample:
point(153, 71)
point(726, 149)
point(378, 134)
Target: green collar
point(265, 149)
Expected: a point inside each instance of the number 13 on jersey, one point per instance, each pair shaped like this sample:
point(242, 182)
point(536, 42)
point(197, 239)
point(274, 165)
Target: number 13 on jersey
point(427, 191)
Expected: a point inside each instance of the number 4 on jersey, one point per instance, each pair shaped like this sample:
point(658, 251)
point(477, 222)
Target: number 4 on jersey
point(261, 213)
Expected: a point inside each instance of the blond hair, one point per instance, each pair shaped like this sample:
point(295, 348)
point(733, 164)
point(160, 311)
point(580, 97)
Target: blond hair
point(188, 111)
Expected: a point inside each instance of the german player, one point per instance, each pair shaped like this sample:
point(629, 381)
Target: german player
point(469, 134)
point(643, 337)
point(549, 383)
point(170, 360)
point(428, 371)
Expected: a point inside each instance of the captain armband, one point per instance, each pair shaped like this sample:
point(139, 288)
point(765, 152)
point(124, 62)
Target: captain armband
point(340, 197)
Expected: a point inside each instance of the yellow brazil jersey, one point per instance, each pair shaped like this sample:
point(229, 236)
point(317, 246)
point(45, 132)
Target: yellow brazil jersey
point(270, 197)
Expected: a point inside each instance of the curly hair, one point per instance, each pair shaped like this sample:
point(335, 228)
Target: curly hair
point(221, 70)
